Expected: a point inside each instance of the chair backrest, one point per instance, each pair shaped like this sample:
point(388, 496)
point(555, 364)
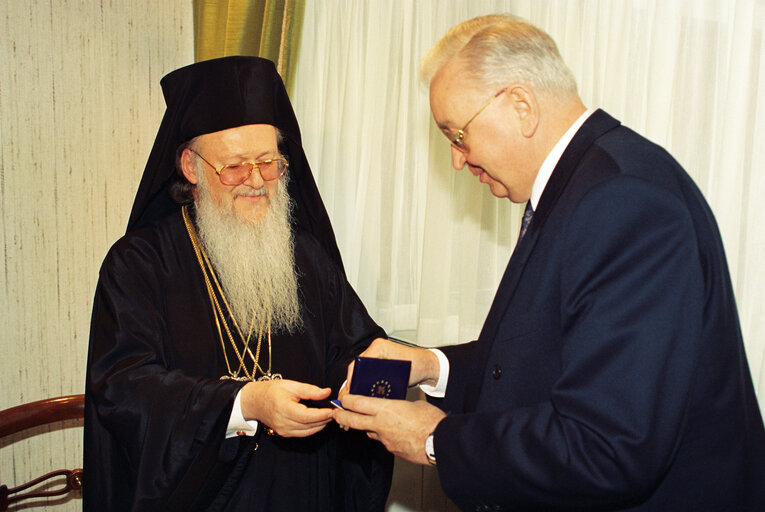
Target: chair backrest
point(33, 414)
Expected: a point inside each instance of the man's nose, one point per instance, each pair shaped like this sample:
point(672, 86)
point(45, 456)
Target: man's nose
point(458, 159)
point(254, 180)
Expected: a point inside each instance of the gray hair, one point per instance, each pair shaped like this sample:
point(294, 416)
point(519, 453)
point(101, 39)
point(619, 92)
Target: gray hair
point(498, 49)
point(181, 191)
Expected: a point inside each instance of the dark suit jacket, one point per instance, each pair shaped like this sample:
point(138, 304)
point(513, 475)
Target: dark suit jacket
point(610, 373)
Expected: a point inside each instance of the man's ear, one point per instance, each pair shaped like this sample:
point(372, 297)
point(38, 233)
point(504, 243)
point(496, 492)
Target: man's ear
point(188, 167)
point(526, 107)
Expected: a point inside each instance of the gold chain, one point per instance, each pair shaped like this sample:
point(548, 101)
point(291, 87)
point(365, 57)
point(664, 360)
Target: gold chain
point(220, 317)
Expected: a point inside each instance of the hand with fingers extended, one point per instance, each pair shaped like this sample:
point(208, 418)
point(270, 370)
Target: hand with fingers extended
point(400, 425)
point(425, 366)
point(276, 403)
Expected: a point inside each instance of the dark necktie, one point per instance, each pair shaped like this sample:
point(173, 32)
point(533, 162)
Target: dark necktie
point(527, 214)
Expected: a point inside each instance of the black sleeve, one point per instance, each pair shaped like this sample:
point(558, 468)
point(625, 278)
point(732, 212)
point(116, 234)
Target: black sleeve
point(148, 423)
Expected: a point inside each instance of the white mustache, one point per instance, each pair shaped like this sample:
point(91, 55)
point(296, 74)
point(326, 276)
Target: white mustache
point(251, 192)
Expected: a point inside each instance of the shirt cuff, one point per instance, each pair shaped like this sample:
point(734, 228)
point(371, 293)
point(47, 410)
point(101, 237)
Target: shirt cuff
point(237, 425)
point(439, 390)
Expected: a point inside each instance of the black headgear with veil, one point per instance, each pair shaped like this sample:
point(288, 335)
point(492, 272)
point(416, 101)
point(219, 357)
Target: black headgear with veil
point(215, 95)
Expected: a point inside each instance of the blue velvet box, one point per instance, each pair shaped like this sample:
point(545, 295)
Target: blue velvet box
point(380, 378)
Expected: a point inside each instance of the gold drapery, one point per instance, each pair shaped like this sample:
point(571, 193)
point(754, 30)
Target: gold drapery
point(263, 28)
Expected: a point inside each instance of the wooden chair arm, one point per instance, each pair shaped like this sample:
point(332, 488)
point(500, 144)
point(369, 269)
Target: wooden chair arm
point(42, 412)
point(33, 414)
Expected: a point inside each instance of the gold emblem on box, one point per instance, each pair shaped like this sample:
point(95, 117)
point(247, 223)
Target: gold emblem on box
point(380, 389)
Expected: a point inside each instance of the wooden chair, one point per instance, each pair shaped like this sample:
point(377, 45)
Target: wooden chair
point(33, 414)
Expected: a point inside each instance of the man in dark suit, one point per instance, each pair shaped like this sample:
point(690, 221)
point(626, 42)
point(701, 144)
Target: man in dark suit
point(610, 373)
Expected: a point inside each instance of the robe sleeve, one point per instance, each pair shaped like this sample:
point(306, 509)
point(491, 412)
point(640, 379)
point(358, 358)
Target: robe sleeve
point(148, 424)
point(351, 331)
point(364, 467)
point(347, 327)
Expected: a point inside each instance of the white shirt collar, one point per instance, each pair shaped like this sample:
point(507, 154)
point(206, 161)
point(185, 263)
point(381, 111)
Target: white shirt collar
point(543, 176)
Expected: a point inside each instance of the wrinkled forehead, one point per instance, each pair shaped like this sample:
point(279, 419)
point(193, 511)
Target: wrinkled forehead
point(251, 137)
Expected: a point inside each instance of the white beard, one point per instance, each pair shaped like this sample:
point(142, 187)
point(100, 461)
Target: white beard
point(254, 261)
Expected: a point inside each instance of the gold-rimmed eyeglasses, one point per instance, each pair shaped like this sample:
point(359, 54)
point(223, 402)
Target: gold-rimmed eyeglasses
point(458, 138)
point(236, 174)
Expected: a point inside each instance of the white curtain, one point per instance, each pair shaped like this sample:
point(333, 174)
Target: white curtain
point(425, 246)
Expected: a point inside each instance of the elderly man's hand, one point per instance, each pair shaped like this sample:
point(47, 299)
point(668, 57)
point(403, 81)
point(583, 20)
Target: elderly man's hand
point(400, 425)
point(276, 403)
point(425, 365)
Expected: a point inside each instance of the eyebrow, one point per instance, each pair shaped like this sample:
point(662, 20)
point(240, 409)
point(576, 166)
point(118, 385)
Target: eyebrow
point(264, 153)
point(269, 153)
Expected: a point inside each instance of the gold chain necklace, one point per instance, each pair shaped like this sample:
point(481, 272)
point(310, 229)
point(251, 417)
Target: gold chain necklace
point(220, 318)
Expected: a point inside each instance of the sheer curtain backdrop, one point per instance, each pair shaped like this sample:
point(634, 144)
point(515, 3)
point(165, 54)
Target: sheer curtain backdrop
point(426, 246)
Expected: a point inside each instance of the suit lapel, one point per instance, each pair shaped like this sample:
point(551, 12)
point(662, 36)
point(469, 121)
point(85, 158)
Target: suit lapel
point(595, 126)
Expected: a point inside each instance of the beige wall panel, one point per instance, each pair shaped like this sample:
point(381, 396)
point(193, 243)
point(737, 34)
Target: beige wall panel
point(80, 104)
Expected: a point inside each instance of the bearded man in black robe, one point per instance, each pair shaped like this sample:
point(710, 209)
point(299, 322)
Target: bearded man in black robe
point(223, 320)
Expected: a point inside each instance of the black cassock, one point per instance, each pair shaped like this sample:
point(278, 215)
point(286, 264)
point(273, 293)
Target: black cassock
point(156, 410)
